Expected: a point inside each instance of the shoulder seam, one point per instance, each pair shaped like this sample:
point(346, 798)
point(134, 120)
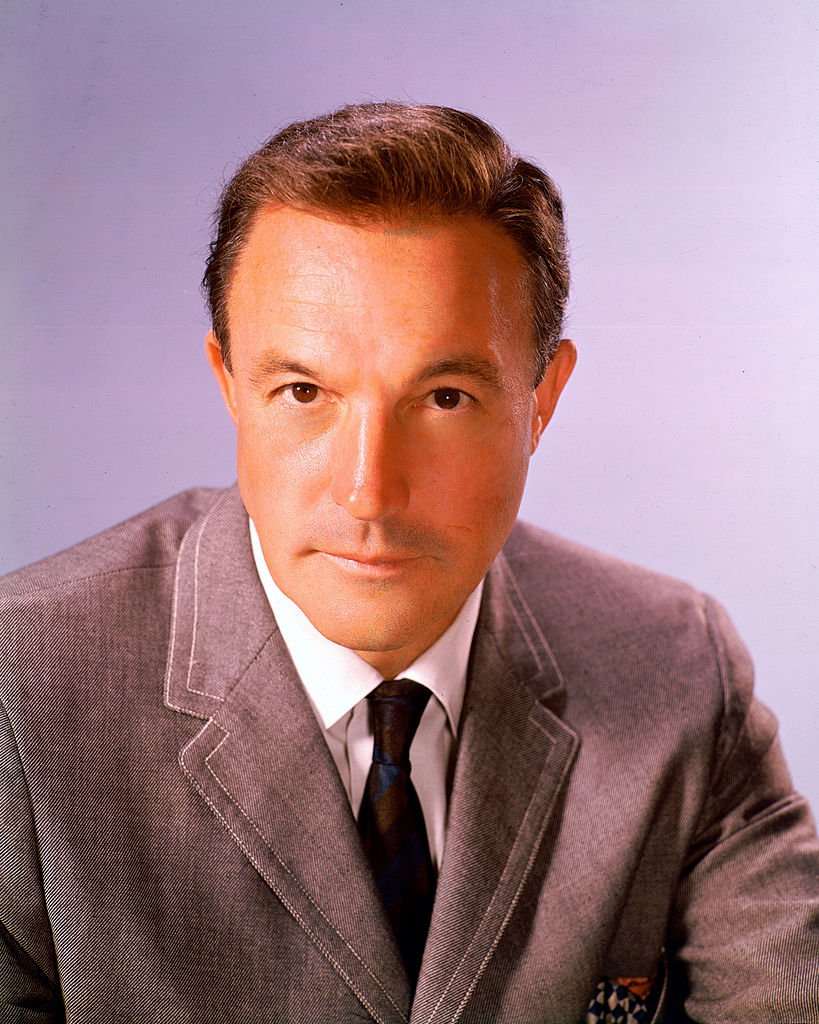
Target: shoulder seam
point(719, 654)
point(74, 580)
point(715, 637)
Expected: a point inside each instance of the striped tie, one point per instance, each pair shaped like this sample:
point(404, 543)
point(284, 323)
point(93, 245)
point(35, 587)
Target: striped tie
point(391, 821)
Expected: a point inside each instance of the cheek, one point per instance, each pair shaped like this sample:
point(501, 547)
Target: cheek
point(478, 486)
point(276, 480)
point(266, 442)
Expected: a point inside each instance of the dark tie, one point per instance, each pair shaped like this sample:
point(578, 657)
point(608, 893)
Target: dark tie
point(391, 821)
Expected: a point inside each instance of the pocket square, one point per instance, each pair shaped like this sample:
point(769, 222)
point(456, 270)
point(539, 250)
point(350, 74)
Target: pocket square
point(621, 1001)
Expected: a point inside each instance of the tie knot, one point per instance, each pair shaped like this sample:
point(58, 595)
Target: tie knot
point(397, 706)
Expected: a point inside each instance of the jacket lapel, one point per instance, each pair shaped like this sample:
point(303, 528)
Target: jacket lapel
point(514, 758)
point(261, 764)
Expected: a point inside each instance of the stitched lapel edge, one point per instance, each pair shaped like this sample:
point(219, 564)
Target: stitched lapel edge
point(511, 659)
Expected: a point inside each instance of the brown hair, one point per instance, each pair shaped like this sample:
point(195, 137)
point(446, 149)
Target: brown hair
point(395, 162)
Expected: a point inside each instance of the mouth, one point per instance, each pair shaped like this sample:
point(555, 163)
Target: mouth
point(371, 565)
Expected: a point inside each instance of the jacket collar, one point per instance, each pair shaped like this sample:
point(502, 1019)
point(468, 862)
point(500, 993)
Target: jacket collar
point(220, 620)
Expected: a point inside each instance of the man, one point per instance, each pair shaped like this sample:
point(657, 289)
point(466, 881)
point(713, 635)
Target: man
point(346, 743)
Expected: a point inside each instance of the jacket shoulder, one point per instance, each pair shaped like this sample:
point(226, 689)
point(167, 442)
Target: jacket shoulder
point(617, 628)
point(579, 576)
point(148, 540)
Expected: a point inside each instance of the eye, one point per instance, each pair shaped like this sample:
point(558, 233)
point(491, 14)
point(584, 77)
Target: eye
point(302, 392)
point(447, 398)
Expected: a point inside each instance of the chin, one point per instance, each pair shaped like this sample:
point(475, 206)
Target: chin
point(375, 626)
point(370, 635)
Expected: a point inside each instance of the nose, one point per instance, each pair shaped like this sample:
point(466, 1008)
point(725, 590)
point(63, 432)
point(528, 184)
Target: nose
point(369, 476)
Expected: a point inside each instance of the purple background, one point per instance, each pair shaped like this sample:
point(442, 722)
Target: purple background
point(684, 138)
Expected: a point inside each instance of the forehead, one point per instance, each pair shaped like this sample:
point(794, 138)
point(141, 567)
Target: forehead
point(457, 272)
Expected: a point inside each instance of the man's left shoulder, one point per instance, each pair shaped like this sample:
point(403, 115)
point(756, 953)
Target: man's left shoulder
point(627, 633)
point(594, 587)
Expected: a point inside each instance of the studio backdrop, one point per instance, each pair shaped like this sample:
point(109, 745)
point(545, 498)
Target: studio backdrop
point(684, 139)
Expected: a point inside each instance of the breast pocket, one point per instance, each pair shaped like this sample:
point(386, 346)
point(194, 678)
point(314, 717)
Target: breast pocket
point(628, 1000)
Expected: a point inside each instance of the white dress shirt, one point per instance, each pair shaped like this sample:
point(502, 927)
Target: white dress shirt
point(337, 681)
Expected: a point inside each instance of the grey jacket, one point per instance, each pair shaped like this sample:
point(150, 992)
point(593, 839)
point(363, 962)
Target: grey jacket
point(176, 845)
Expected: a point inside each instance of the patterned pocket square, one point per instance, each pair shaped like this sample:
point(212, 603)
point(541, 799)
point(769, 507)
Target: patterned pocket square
point(621, 1001)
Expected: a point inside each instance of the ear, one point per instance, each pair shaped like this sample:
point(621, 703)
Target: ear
point(548, 391)
point(224, 378)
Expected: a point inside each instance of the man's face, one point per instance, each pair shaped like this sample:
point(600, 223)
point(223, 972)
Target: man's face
point(381, 387)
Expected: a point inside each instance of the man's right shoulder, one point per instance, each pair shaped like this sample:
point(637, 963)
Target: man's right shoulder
point(148, 540)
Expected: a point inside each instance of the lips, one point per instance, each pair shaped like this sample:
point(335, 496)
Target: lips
point(385, 563)
point(387, 558)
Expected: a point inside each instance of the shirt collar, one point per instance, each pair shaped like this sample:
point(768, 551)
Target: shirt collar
point(336, 678)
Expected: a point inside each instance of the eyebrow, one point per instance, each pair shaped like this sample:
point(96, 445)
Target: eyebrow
point(484, 371)
point(268, 364)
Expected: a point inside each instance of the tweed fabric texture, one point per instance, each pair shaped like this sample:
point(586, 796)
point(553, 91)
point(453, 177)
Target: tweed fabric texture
point(176, 844)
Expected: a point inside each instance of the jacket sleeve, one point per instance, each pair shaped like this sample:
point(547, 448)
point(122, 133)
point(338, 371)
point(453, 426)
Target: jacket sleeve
point(29, 986)
point(745, 925)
